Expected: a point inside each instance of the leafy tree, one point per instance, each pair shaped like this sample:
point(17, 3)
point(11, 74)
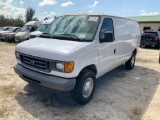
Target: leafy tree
point(35, 19)
point(46, 18)
point(29, 14)
point(55, 17)
point(5, 21)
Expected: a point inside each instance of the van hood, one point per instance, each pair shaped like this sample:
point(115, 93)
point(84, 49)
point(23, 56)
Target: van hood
point(19, 34)
point(48, 48)
point(4, 31)
point(36, 33)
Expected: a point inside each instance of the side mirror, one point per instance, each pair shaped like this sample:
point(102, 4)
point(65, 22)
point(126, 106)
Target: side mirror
point(108, 37)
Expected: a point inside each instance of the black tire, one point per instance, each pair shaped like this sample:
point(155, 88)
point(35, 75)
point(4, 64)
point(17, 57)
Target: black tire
point(143, 46)
point(157, 46)
point(130, 63)
point(13, 40)
point(159, 57)
point(77, 93)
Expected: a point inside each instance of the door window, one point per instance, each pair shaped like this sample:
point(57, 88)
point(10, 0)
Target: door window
point(146, 28)
point(107, 27)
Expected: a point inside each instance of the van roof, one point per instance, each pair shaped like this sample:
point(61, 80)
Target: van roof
point(32, 22)
point(48, 21)
point(99, 15)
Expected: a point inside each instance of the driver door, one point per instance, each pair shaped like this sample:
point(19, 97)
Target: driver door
point(106, 48)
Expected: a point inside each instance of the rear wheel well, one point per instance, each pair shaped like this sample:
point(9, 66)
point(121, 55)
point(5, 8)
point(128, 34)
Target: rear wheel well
point(92, 68)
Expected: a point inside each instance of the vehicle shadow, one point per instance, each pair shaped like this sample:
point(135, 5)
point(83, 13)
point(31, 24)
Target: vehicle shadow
point(149, 47)
point(120, 94)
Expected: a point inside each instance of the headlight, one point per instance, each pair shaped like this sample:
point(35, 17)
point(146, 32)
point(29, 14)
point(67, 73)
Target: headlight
point(17, 55)
point(66, 67)
point(60, 66)
point(11, 35)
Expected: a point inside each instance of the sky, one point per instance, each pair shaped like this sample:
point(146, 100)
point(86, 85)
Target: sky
point(51, 8)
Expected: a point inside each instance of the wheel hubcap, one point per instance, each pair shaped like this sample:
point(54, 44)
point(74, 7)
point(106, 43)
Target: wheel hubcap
point(87, 88)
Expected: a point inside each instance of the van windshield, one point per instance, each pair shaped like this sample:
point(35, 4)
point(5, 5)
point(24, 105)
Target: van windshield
point(11, 29)
point(42, 27)
point(5, 29)
point(26, 28)
point(80, 27)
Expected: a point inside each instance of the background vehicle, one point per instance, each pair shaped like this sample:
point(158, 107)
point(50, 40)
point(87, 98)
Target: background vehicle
point(10, 36)
point(150, 38)
point(26, 30)
point(41, 28)
point(4, 29)
point(10, 30)
point(77, 49)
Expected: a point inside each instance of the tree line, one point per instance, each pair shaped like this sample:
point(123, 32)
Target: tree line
point(5, 21)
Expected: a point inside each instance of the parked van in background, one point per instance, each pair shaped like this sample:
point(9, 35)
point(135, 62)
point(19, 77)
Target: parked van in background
point(26, 30)
point(76, 50)
point(41, 28)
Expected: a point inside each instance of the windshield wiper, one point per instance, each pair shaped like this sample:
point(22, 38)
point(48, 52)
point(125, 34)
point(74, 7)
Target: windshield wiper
point(46, 35)
point(73, 36)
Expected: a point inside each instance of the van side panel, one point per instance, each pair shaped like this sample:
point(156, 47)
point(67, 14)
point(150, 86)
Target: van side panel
point(83, 57)
point(127, 37)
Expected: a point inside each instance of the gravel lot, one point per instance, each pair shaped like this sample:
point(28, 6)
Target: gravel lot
point(119, 95)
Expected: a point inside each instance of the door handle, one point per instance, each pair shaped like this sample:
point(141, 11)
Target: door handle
point(114, 51)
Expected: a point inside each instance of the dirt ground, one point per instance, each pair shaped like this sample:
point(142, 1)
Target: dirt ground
point(119, 95)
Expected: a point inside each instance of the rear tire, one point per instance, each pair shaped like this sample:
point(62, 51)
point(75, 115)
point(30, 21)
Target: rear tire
point(85, 87)
point(157, 46)
point(130, 63)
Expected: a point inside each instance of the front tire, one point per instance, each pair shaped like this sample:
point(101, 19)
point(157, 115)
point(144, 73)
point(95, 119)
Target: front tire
point(85, 87)
point(130, 63)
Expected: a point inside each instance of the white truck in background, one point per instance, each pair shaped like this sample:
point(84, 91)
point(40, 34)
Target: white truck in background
point(76, 50)
point(41, 28)
point(26, 30)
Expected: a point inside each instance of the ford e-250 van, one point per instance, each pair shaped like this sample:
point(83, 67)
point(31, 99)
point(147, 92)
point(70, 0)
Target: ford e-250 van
point(26, 30)
point(76, 50)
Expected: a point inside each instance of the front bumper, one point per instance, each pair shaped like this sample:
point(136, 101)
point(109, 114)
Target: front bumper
point(50, 81)
point(9, 39)
point(18, 39)
point(148, 43)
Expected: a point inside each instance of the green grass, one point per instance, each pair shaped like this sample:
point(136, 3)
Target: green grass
point(11, 44)
point(136, 111)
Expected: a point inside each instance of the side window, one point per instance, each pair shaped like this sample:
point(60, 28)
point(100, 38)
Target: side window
point(35, 27)
point(32, 29)
point(106, 29)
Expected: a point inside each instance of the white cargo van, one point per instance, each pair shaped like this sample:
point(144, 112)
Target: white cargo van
point(41, 28)
point(76, 50)
point(26, 30)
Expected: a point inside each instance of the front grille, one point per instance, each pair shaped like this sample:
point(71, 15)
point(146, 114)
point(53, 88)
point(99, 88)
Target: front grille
point(17, 38)
point(32, 36)
point(36, 62)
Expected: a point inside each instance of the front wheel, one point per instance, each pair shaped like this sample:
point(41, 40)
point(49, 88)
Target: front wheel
point(130, 63)
point(84, 88)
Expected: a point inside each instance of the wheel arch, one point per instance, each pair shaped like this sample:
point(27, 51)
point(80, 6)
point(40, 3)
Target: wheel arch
point(135, 51)
point(91, 67)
